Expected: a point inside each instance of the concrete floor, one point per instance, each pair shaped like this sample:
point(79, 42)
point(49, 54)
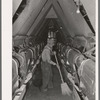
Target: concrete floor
point(34, 93)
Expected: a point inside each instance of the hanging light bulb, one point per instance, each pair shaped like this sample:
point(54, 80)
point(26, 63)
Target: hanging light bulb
point(78, 8)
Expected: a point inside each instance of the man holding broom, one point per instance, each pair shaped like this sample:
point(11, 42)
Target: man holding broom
point(46, 65)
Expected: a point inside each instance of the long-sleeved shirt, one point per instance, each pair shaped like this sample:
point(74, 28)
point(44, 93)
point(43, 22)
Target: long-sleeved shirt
point(46, 55)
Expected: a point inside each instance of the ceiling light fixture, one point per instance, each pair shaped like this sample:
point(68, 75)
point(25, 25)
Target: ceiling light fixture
point(78, 10)
point(78, 7)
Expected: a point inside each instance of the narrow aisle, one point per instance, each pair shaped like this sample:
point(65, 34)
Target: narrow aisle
point(34, 93)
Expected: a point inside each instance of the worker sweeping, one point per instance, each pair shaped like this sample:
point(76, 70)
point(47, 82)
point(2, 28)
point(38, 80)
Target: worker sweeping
point(46, 66)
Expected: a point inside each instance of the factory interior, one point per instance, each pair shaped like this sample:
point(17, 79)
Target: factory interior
point(71, 25)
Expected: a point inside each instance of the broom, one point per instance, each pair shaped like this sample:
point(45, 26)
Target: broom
point(64, 87)
point(70, 77)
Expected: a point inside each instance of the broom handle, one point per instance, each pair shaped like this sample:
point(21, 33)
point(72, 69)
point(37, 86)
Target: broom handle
point(59, 69)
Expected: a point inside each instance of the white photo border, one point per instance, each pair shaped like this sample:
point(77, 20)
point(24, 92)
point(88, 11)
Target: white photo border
point(6, 21)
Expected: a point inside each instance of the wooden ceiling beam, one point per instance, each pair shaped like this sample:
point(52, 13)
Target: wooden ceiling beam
point(75, 22)
point(28, 16)
point(60, 15)
point(34, 34)
point(41, 16)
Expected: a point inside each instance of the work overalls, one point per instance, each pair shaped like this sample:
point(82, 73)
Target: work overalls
point(46, 73)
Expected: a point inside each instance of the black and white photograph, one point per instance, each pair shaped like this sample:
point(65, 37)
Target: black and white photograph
point(53, 50)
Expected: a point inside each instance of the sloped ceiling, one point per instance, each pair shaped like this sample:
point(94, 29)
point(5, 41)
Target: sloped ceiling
point(16, 4)
point(51, 14)
point(90, 7)
point(35, 13)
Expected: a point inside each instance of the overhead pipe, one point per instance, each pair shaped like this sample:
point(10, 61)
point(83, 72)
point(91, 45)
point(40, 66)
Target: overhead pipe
point(81, 9)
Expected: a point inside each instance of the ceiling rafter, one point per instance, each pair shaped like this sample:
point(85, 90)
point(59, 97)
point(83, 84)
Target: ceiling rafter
point(20, 25)
point(76, 22)
point(41, 16)
point(43, 13)
point(61, 15)
point(36, 20)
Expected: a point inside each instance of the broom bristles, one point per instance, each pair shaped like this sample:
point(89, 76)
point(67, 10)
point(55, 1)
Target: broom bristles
point(65, 89)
